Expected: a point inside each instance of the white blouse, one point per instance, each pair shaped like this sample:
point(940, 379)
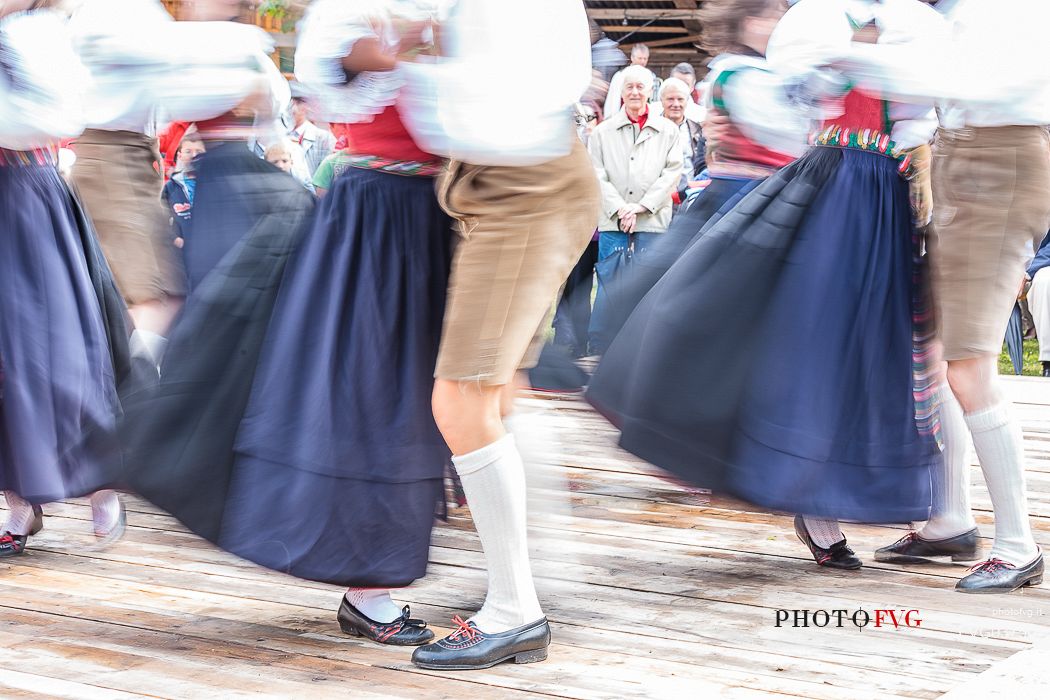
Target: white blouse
point(41, 82)
point(758, 104)
point(327, 35)
point(988, 67)
point(497, 100)
point(814, 36)
point(149, 69)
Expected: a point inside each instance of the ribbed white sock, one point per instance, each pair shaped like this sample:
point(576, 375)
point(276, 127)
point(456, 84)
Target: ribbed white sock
point(494, 481)
point(824, 533)
point(19, 514)
point(105, 511)
point(147, 344)
point(374, 603)
point(999, 443)
point(951, 514)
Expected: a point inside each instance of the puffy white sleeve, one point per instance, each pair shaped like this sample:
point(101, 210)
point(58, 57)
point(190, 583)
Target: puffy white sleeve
point(984, 54)
point(187, 71)
point(808, 39)
point(756, 102)
point(41, 82)
point(496, 100)
point(327, 35)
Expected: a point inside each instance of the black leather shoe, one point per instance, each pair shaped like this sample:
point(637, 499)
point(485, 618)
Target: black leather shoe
point(837, 556)
point(912, 549)
point(469, 648)
point(1046, 369)
point(12, 545)
point(996, 576)
point(402, 632)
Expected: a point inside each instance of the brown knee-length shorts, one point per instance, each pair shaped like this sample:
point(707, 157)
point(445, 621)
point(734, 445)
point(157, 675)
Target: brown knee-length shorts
point(991, 199)
point(522, 229)
point(119, 186)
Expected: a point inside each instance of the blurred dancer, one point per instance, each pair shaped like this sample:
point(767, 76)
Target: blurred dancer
point(526, 198)
point(61, 334)
point(789, 323)
point(991, 179)
point(118, 172)
point(315, 453)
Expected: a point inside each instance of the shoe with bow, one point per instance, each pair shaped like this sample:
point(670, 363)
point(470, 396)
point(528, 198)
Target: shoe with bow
point(402, 632)
point(470, 648)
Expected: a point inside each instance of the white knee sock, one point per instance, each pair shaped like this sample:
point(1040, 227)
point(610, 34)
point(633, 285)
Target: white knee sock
point(951, 514)
point(148, 345)
point(19, 514)
point(824, 533)
point(494, 482)
point(998, 441)
point(105, 511)
point(374, 603)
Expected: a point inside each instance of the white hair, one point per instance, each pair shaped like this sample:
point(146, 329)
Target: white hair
point(638, 74)
point(674, 84)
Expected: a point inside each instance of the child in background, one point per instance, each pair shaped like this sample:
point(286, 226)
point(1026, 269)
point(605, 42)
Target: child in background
point(179, 190)
point(287, 156)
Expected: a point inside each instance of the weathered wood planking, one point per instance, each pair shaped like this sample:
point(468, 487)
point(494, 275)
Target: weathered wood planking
point(654, 589)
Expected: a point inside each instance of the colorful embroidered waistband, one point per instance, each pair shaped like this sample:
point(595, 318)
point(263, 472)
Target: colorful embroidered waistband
point(397, 167)
point(865, 140)
point(36, 157)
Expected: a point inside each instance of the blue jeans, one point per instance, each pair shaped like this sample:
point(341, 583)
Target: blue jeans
point(610, 242)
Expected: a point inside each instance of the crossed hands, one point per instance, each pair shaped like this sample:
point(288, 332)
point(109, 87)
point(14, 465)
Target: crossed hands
point(628, 216)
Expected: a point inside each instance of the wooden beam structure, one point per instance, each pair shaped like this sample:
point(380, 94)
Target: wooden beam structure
point(642, 13)
point(620, 29)
point(690, 39)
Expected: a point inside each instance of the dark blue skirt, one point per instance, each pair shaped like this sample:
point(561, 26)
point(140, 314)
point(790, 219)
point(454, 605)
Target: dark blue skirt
point(339, 464)
point(58, 399)
point(773, 361)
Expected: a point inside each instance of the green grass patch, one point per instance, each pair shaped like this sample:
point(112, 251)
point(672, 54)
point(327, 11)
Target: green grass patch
point(1031, 368)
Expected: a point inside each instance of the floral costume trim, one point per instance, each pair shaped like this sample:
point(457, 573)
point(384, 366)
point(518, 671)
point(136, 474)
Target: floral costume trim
point(865, 140)
point(34, 158)
point(410, 168)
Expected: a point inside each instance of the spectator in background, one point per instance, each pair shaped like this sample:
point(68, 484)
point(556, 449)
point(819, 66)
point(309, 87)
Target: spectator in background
point(674, 97)
point(1039, 301)
point(638, 158)
point(614, 100)
point(317, 143)
point(179, 190)
point(331, 167)
point(288, 157)
point(693, 109)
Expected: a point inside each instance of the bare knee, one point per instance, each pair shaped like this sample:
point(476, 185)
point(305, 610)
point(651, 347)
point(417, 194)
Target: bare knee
point(974, 381)
point(467, 414)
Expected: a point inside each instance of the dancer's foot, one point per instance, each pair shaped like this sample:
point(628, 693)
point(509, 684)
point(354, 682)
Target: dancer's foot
point(913, 549)
point(469, 648)
point(13, 545)
point(837, 556)
point(108, 516)
point(403, 631)
point(998, 576)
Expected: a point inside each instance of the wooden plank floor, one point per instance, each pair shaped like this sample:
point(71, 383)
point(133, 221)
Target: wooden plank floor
point(653, 589)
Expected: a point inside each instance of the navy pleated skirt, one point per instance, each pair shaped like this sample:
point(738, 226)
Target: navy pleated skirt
point(773, 360)
point(339, 464)
point(58, 400)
